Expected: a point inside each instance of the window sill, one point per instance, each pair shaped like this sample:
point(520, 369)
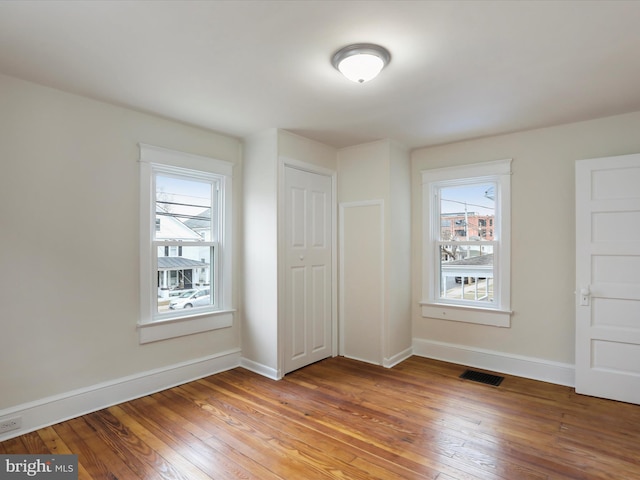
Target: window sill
point(164, 329)
point(459, 313)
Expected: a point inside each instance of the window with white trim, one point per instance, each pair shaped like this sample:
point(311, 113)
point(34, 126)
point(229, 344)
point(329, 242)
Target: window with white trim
point(185, 244)
point(466, 243)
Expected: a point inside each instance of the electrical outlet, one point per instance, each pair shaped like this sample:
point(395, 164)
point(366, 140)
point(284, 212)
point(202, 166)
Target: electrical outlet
point(8, 424)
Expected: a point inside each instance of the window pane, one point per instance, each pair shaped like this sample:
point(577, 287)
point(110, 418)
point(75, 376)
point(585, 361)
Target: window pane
point(467, 212)
point(466, 272)
point(184, 278)
point(184, 208)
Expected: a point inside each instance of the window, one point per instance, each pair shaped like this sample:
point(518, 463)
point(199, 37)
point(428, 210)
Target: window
point(466, 272)
point(185, 244)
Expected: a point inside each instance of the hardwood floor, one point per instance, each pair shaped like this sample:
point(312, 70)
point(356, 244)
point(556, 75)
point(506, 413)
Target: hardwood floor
point(342, 419)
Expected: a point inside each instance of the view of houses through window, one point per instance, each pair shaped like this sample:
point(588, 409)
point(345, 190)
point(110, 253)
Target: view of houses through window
point(185, 240)
point(466, 241)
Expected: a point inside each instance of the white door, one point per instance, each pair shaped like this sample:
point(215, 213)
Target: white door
point(362, 280)
point(608, 277)
point(308, 264)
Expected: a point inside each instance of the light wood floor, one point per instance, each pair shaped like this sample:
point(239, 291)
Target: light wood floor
point(342, 419)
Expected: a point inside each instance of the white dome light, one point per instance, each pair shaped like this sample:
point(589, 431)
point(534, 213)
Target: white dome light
point(361, 62)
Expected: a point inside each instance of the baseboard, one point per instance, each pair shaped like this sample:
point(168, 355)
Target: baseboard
point(397, 358)
point(260, 369)
point(518, 365)
point(55, 409)
point(364, 360)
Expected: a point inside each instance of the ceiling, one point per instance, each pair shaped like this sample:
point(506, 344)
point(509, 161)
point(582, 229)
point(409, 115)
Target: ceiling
point(459, 70)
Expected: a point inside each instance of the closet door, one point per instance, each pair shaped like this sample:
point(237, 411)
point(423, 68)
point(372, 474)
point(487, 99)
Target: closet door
point(308, 265)
point(362, 281)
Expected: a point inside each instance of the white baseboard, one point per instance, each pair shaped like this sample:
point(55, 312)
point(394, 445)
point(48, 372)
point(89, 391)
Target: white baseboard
point(398, 357)
point(518, 365)
point(58, 408)
point(364, 360)
point(260, 369)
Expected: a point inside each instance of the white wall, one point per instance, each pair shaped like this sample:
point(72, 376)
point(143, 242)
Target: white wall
point(543, 239)
point(260, 253)
point(302, 149)
point(262, 176)
point(399, 332)
point(69, 242)
point(375, 206)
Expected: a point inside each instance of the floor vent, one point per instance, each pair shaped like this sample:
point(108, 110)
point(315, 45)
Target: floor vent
point(480, 377)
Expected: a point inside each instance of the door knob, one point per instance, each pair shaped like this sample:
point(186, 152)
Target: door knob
point(584, 296)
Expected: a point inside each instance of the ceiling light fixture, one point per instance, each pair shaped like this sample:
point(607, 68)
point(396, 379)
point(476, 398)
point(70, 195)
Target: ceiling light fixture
point(361, 62)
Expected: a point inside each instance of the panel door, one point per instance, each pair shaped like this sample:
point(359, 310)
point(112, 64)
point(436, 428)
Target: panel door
point(608, 277)
point(308, 264)
point(362, 281)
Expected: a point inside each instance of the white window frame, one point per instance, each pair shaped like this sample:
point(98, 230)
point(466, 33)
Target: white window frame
point(497, 313)
point(151, 325)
